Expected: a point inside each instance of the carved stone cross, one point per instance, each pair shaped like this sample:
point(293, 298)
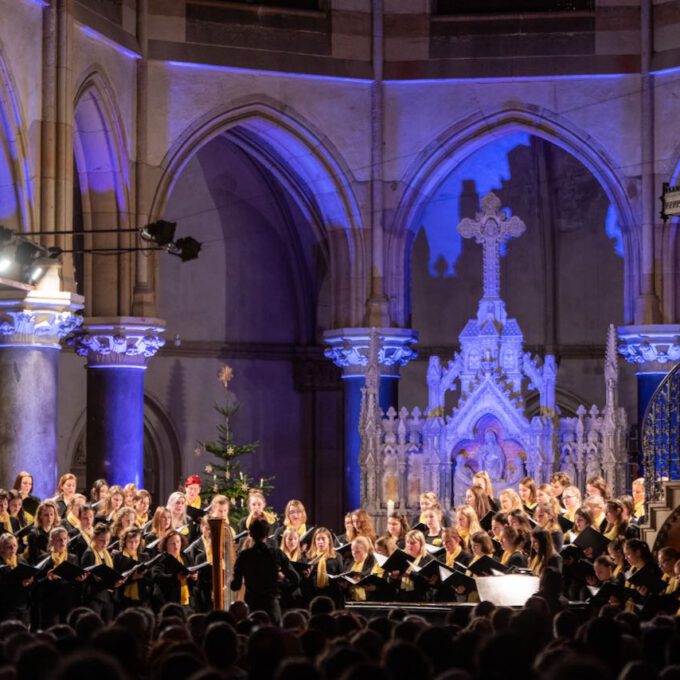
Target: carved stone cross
point(490, 228)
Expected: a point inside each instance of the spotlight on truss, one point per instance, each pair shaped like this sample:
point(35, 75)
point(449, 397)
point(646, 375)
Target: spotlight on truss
point(161, 233)
point(186, 248)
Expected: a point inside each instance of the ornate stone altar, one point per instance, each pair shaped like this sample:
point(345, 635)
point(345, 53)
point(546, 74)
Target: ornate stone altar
point(405, 453)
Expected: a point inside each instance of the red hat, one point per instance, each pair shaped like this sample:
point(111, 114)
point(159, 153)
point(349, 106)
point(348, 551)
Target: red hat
point(192, 479)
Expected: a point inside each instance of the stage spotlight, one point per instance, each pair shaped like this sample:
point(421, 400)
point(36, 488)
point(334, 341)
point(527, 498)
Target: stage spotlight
point(161, 233)
point(186, 248)
point(26, 253)
point(5, 263)
point(5, 235)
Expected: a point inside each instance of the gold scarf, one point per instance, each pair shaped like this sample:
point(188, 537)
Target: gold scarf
point(505, 558)
point(612, 533)
point(103, 558)
point(358, 593)
point(618, 569)
point(536, 565)
point(184, 587)
point(131, 590)
point(196, 503)
point(4, 519)
point(87, 535)
point(207, 548)
point(406, 581)
point(672, 585)
point(73, 520)
point(11, 562)
point(58, 558)
point(142, 520)
point(321, 574)
point(639, 509)
point(452, 557)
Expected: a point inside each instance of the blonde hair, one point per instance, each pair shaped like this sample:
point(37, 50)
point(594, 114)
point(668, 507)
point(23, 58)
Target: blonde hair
point(363, 540)
point(430, 496)
point(156, 521)
point(484, 476)
point(469, 513)
point(268, 515)
point(294, 504)
point(515, 500)
point(415, 535)
point(297, 553)
point(313, 550)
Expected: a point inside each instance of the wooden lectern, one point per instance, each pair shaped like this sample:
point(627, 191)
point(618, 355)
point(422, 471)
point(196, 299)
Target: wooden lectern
point(217, 545)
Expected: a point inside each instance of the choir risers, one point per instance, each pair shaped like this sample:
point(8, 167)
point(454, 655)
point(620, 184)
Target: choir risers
point(663, 518)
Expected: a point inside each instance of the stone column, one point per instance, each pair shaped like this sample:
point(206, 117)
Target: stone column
point(348, 349)
point(654, 350)
point(32, 323)
point(117, 350)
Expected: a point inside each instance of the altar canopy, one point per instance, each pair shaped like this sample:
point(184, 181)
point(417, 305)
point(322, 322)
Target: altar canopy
point(406, 453)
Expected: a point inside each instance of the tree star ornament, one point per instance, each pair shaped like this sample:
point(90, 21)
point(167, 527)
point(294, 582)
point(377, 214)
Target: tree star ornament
point(225, 375)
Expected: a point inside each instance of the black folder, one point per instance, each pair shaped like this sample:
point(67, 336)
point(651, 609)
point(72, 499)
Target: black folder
point(454, 578)
point(485, 522)
point(109, 577)
point(23, 532)
point(20, 573)
point(306, 538)
point(565, 524)
point(397, 561)
point(195, 514)
point(68, 572)
point(485, 566)
point(590, 538)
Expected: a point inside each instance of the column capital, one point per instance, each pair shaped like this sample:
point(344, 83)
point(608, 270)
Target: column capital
point(654, 348)
point(119, 342)
point(37, 318)
point(348, 349)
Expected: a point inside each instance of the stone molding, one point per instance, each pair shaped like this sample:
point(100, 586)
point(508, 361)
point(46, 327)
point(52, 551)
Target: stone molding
point(348, 349)
point(38, 319)
point(652, 347)
point(119, 342)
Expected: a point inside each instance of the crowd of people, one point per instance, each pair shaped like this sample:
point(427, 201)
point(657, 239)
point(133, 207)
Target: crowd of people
point(110, 552)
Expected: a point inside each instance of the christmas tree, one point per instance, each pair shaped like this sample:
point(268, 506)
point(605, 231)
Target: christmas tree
point(225, 476)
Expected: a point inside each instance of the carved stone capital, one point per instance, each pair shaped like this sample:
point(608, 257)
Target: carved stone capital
point(119, 342)
point(37, 318)
point(348, 349)
point(652, 347)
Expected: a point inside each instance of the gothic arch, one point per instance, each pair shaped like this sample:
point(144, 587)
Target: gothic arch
point(444, 153)
point(14, 147)
point(309, 168)
point(102, 165)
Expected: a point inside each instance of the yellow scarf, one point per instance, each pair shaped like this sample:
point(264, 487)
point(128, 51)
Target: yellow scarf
point(207, 549)
point(321, 574)
point(505, 558)
point(639, 509)
point(196, 503)
point(103, 558)
point(142, 520)
point(570, 514)
point(536, 565)
point(437, 541)
point(58, 558)
point(184, 587)
point(131, 590)
point(87, 535)
point(11, 562)
point(73, 520)
point(452, 557)
point(464, 536)
point(7, 522)
point(407, 581)
point(377, 569)
point(618, 569)
point(358, 594)
point(672, 585)
point(612, 533)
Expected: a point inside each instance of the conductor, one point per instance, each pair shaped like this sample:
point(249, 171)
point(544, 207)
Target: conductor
point(262, 568)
